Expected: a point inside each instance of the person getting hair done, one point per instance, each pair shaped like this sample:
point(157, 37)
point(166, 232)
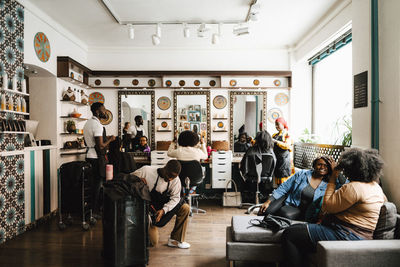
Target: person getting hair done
point(165, 190)
point(188, 147)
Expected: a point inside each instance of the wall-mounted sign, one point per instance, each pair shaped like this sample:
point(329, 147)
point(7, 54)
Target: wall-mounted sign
point(361, 90)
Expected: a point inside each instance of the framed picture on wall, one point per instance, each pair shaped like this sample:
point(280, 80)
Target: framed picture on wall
point(203, 112)
point(190, 107)
point(203, 126)
point(195, 127)
point(183, 117)
point(182, 111)
point(194, 116)
point(197, 107)
point(186, 126)
point(180, 129)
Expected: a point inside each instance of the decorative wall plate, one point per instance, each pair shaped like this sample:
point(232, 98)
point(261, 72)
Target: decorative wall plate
point(256, 82)
point(273, 114)
point(277, 83)
point(164, 124)
point(151, 82)
point(232, 82)
point(168, 83)
point(42, 46)
point(197, 83)
point(97, 82)
point(220, 124)
point(96, 97)
point(163, 103)
point(116, 82)
point(281, 99)
point(213, 83)
point(219, 102)
point(108, 119)
point(182, 83)
point(135, 82)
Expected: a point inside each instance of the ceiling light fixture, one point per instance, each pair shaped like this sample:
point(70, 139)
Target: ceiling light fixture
point(156, 38)
point(186, 30)
point(254, 11)
point(202, 30)
point(217, 36)
point(241, 29)
point(131, 32)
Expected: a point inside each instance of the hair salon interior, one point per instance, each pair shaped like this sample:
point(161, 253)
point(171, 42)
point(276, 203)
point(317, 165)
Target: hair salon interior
point(139, 133)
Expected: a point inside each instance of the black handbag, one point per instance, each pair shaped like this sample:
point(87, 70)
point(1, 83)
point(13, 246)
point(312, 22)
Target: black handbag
point(271, 222)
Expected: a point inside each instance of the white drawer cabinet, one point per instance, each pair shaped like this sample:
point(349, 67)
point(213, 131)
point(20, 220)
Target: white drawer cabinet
point(221, 169)
point(159, 158)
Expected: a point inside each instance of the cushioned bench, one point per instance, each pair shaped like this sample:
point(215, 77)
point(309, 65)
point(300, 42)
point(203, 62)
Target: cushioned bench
point(244, 243)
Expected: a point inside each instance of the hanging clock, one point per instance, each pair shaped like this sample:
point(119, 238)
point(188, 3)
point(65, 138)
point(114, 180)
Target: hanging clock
point(42, 46)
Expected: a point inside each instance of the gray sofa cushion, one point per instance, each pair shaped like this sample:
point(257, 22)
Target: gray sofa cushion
point(397, 231)
point(385, 228)
point(243, 233)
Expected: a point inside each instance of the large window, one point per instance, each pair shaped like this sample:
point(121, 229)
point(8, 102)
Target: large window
point(332, 97)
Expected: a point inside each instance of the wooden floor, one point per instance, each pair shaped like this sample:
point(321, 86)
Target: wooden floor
point(47, 246)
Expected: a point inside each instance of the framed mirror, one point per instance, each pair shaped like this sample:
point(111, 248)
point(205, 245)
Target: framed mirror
point(139, 105)
point(247, 110)
point(192, 112)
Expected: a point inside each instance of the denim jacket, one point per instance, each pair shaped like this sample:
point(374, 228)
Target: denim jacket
point(293, 187)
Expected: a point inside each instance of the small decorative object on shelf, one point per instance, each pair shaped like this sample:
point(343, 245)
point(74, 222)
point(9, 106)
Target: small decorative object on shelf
point(197, 83)
point(5, 81)
point(18, 105)
point(68, 95)
point(23, 105)
point(84, 98)
point(10, 103)
point(14, 83)
point(277, 82)
point(3, 101)
point(151, 82)
point(168, 83)
point(71, 127)
point(23, 86)
point(232, 82)
point(75, 114)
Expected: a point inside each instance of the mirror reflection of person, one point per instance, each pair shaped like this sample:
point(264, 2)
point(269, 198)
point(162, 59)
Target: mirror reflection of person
point(282, 148)
point(126, 136)
point(143, 146)
point(241, 145)
point(188, 147)
point(137, 131)
point(195, 129)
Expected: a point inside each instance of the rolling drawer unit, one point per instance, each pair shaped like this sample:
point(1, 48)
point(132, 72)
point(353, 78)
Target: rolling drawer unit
point(221, 169)
point(159, 158)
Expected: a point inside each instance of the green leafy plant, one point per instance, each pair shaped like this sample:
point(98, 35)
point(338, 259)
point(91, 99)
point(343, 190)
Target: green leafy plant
point(345, 137)
point(308, 137)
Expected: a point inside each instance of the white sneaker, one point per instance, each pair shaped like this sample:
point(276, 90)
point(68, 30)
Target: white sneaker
point(176, 244)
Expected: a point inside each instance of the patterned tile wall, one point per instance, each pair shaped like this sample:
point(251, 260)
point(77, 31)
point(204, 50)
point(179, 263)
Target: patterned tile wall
point(12, 202)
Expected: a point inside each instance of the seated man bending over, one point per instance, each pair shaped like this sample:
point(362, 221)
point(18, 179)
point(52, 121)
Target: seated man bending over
point(165, 191)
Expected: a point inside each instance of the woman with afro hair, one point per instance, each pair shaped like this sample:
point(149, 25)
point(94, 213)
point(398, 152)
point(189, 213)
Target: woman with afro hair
point(352, 212)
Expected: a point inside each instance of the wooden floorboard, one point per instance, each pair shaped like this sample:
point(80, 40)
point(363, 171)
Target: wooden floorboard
point(47, 246)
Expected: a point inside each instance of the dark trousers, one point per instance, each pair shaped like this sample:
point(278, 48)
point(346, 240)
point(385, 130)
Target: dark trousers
point(97, 183)
point(168, 216)
point(296, 244)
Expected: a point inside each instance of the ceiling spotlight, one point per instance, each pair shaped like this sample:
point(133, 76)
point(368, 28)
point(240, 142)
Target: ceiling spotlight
point(131, 31)
point(186, 30)
point(254, 10)
point(156, 38)
point(241, 29)
point(216, 36)
point(201, 31)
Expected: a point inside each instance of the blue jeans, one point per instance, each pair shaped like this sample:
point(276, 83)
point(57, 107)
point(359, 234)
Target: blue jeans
point(330, 231)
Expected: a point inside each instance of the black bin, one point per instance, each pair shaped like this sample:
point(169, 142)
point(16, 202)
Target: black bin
point(125, 228)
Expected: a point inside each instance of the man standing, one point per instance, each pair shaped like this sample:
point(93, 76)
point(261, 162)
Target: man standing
point(137, 131)
point(165, 191)
point(96, 141)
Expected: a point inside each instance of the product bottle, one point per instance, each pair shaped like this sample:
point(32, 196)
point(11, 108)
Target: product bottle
point(14, 83)
point(3, 101)
point(23, 87)
point(10, 103)
point(78, 96)
point(18, 104)
point(5, 81)
point(23, 105)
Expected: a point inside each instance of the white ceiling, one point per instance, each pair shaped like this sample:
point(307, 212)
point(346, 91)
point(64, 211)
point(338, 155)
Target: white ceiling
point(281, 23)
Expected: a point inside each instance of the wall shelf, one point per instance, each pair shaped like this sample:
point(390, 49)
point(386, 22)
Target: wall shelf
point(219, 118)
point(163, 118)
point(165, 131)
point(73, 102)
point(70, 134)
point(72, 154)
point(15, 112)
point(73, 118)
point(77, 82)
point(13, 132)
point(220, 131)
point(14, 92)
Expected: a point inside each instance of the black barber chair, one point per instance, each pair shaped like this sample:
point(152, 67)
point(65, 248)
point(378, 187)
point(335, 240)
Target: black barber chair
point(258, 170)
point(191, 175)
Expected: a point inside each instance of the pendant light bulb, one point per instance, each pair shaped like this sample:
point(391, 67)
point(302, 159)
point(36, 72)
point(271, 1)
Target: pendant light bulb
point(131, 31)
point(158, 32)
point(186, 31)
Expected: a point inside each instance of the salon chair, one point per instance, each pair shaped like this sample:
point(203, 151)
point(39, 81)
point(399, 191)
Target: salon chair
point(192, 175)
point(258, 170)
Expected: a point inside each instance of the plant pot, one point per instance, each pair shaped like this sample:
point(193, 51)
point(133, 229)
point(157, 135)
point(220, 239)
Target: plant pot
point(71, 128)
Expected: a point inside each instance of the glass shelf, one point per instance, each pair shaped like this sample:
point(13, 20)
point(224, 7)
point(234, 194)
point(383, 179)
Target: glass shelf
point(14, 92)
point(15, 112)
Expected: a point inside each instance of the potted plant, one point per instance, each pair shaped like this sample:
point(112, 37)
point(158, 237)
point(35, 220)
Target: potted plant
point(71, 127)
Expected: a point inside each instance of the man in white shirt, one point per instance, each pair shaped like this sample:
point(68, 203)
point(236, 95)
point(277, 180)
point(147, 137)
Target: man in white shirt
point(165, 190)
point(96, 142)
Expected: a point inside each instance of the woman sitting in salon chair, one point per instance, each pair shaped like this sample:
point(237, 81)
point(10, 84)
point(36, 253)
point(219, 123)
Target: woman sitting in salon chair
point(300, 197)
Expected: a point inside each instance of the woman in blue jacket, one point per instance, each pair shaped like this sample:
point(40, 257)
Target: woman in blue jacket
point(300, 197)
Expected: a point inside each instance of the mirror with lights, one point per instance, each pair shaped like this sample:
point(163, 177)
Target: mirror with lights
point(247, 111)
point(136, 120)
point(192, 112)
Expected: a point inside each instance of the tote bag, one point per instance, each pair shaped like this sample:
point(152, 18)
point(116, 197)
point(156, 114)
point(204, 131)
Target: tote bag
point(231, 199)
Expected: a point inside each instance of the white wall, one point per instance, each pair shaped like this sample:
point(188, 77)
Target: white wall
point(62, 42)
point(188, 59)
point(389, 84)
